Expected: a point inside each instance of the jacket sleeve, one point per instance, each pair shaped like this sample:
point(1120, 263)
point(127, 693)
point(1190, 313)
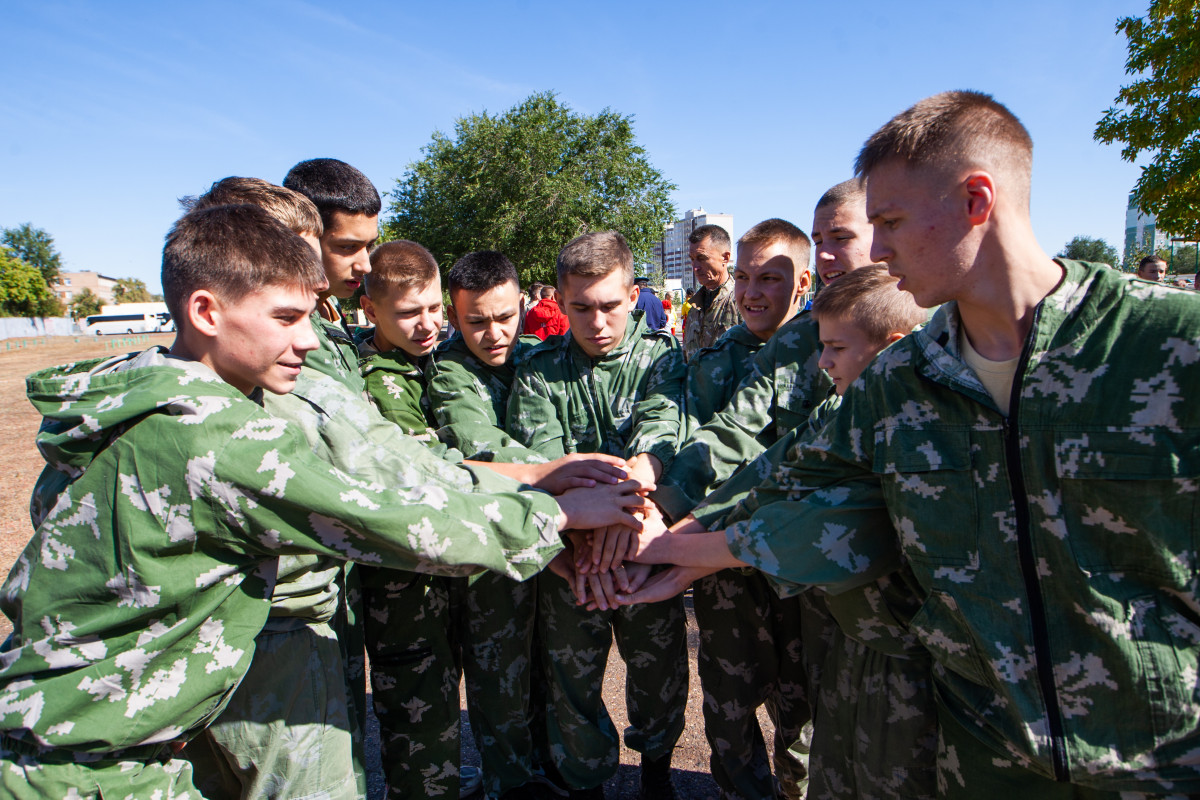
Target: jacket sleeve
point(533, 416)
point(659, 416)
point(398, 398)
point(466, 416)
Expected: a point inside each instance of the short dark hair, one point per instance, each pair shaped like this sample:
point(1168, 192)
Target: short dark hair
point(846, 191)
point(594, 255)
point(547, 292)
point(481, 271)
point(719, 236)
point(334, 186)
point(400, 264)
point(869, 298)
point(294, 210)
point(1150, 260)
point(233, 251)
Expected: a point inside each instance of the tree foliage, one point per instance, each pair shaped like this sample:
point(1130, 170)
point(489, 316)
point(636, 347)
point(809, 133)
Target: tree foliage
point(1085, 248)
point(85, 304)
point(131, 290)
point(36, 248)
point(527, 181)
point(1160, 112)
point(23, 292)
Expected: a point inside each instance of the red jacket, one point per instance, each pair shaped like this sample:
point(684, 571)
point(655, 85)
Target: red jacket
point(546, 319)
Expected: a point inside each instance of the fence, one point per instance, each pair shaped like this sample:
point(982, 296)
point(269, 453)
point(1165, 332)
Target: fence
point(16, 327)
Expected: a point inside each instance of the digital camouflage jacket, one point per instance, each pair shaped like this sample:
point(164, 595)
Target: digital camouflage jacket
point(783, 387)
point(337, 355)
point(1056, 549)
point(167, 499)
point(395, 382)
point(627, 402)
point(714, 373)
point(470, 401)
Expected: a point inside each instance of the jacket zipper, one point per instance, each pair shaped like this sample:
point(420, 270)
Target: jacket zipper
point(1029, 571)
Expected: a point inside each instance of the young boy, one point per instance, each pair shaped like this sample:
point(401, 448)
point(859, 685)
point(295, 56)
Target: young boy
point(170, 559)
point(612, 386)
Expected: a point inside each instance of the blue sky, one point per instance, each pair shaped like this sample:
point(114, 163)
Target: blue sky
point(111, 111)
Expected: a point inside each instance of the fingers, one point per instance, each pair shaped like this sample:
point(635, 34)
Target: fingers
point(633, 577)
point(616, 543)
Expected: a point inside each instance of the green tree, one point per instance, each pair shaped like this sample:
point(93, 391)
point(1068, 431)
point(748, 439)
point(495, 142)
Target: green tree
point(1159, 112)
point(526, 182)
point(1085, 248)
point(36, 248)
point(85, 304)
point(131, 290)
point(23, 292)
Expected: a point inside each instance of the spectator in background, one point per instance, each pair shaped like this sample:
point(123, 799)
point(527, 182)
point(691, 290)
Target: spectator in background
point(545, 318)
point(713, 310)
point(1152, 268)
point(649, 302)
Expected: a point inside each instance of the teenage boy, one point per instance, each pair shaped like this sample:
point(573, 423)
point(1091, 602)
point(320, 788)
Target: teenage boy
point(750, 651)
point(1152, 268)
point(1056, 568)
point(170, 559)
point(612, 386)
point(841, 232)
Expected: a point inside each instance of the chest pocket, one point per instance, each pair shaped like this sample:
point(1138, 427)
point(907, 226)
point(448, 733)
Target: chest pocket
point(1130, 500)
point(927, 482)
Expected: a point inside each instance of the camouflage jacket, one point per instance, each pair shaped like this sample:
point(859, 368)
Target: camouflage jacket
point(1056, 549)
point(470, 401)
point(396, 384)
point(337, 355)
point(136, 603)
point(783, 387)
point(714, 373)
point(711, 314)
point(627, 402)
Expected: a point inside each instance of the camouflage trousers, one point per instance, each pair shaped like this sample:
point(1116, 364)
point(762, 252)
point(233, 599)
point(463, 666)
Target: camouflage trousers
point(751, 654)
point(875, 725)
point(415, 654)
point(651, 639)
point(23, 777)
point(967, 769)
point(497, 653)
point(287, 729)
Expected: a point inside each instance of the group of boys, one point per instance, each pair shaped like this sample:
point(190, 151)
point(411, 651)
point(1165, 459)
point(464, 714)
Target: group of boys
point(955, 562)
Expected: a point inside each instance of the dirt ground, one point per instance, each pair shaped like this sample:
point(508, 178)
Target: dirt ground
point(19, 424)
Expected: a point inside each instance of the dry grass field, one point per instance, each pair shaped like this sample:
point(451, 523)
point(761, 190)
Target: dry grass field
point(19, 424)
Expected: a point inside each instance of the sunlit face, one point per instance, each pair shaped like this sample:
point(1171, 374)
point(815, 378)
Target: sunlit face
point(766, 288)
point(845, 350)
point(489, 321)
point(261, 338)
point(407, 318)
point(598, 309)
point(346, 251)
point(841, 236)
point(919, 231)
point(1153, 271)
point(710, 264)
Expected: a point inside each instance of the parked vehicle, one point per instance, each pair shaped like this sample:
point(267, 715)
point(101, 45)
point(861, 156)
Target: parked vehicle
point(131, 322)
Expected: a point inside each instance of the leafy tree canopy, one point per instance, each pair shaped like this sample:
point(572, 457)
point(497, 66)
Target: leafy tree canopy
point(85, 304)
point(526, 182)
point(131, 290)
point(23, 292)
point(36, 248)
point(1159, 113)
point(1085, 248)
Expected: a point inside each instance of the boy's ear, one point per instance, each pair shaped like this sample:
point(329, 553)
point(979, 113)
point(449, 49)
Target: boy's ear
point(368, 308)
point(452, 316)
point(804, 283)
point(560, 300)
point(634, 293)
point(893, 337)
point(203, 311)
point(981, 196)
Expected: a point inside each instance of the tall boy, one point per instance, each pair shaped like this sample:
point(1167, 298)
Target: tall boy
point(171, 558)
point(1058, 597)
point(612, 386)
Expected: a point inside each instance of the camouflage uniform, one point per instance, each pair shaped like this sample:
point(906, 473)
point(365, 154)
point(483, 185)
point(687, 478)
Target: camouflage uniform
point(1059, 574)
point(469, 400)
point(750, 650)
point(136, 604)
point(783, 387)
point(624, 403)
point(712, 313)
point(412, 621)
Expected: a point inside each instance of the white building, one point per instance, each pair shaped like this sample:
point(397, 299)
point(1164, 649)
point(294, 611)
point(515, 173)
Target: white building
point(671, 254)
point(1141, 231)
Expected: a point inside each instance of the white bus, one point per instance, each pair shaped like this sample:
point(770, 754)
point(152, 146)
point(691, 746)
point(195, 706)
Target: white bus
point(129, 322)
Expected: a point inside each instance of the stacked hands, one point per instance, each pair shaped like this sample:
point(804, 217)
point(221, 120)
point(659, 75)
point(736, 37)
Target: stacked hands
point(613, 531)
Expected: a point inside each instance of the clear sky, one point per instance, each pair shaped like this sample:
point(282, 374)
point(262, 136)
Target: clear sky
point(112, 110)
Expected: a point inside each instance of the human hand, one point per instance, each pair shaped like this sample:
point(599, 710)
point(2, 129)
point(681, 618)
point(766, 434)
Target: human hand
point(645, 468)
point(608, 548)
point(664, 585)
point(577, 470)
point(601, 506)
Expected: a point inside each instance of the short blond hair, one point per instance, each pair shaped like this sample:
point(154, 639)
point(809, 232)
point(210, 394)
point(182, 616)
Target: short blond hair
point(297, 213)
point(401, 264)
point(868, 298)
point(594, 255)
point(780, 231)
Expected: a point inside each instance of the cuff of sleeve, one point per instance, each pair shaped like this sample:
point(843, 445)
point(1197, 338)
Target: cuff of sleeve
point(672, 501)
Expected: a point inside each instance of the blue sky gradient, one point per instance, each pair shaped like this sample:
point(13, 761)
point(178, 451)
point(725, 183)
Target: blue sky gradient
point(114, 110)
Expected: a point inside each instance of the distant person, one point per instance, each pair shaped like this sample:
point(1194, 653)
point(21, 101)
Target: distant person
point(1152, 268)
point(535, 292)
point(649, 302)
point(546, 318)
point(713, 310)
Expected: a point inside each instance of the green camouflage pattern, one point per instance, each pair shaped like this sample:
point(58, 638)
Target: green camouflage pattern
point(714, 373)
point(1058, 578)
point(337, 355)
point(396, 385)
point(703, 328)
